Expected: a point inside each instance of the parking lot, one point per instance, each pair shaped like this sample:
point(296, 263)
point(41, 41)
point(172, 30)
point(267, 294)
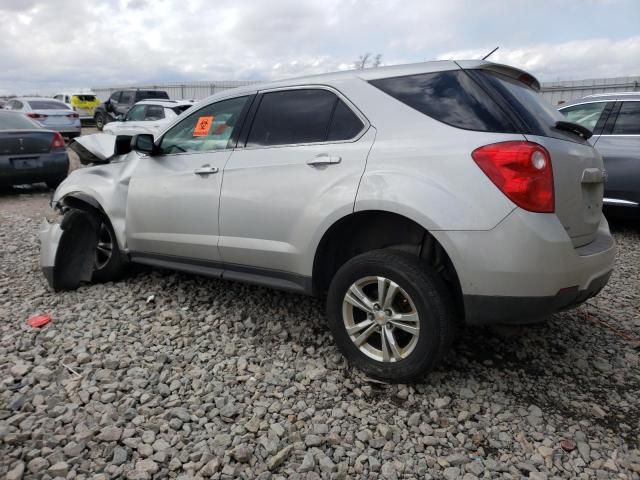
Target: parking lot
point(165, 374)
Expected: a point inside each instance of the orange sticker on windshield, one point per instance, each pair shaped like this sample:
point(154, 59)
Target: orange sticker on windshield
point(203, 125)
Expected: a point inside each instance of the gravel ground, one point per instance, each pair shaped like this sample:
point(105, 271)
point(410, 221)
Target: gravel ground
point(223, 380)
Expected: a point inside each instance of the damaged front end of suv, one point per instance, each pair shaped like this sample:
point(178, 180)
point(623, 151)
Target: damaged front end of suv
point(82, 240)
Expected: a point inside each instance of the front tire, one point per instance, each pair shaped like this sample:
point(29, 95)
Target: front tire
point(109, 264)
point(391, 315)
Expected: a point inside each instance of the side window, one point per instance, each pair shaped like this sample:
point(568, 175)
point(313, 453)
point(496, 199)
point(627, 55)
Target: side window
point(628, 121)
point(345, 124)
point(207, 129)
point(586, 114)
point(115, 96)
point(136, 113)
point(17, 105)
point(292, 117)
point(67, 99)
point(127, 97)
point(58, 97)
point(154, 112)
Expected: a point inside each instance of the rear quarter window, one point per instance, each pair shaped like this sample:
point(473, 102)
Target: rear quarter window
point(451, 97)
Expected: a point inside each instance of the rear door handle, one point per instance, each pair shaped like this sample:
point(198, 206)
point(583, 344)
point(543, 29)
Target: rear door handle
point(205, 170)
point(324, 159)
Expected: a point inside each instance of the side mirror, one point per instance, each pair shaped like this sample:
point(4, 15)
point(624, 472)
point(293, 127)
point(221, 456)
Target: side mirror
point(144, 143)
point(122, 145)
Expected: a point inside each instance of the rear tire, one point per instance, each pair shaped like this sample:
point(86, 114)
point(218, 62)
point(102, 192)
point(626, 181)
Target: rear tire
point(109, 264)
point(403, 331)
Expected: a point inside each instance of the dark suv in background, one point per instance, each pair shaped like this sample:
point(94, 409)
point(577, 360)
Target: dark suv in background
point(614, 119)
point(120, 102)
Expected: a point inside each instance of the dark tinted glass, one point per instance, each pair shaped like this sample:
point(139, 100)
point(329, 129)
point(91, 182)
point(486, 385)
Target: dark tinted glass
point(127, 97)
point(294, 116)
point(136, 113)
point(628, 121)
point(115, 96)
point(142, 94)
point(47, 105)
point(450, 97)
point(344, 124)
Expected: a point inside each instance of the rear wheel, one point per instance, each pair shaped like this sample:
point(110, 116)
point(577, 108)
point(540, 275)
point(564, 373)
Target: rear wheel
point(100, 121)
point(390, 315)
point(108, 264)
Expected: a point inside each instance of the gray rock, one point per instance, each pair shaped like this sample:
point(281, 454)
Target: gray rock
point(451, 473)
point(119, 456)
point(147, 465)
point(73, 449)
point(312, 440)
point(16, 472)
point(241, 453)
point(308, 463)
point(277, 460)
point(37, 465)
point(20, 369)
point(326, 465)
point(42, 373)
point(59, 469)
point(110, 434)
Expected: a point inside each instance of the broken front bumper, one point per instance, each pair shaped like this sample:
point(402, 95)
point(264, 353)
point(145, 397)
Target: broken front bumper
point(50, 234)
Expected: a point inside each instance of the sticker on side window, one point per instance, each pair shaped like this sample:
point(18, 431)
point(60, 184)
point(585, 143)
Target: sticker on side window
point(203, 125)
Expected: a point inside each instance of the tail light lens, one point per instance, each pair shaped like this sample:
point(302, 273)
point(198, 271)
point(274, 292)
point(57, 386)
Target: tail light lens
point(57, 143)
point(36, 115)
point(522, 171)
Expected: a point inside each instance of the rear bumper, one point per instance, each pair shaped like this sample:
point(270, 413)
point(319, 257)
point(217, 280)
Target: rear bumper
point(54, 166)
point(526, 268)
point(484, 310)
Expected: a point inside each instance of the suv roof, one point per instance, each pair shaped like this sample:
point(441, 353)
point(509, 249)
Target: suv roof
point(164, 100)
point(385, 72)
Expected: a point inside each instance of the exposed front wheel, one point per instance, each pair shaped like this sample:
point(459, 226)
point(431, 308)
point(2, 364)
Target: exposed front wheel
point(108, 264)
point(390, 315)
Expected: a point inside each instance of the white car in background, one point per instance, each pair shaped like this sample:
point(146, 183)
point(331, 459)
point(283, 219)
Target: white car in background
point(147, 116)
point(49, 113)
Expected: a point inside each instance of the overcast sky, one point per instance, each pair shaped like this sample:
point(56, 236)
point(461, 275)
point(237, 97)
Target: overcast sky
point(46, 46)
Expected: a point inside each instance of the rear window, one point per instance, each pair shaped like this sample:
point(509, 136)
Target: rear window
point(451, 97)
point(47, 105)
point(142, 94)
point(15, 121)
point(180, 108)
point(85, 98)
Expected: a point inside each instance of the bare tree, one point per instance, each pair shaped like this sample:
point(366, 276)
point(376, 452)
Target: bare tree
point(367, 61)
point(362, 61)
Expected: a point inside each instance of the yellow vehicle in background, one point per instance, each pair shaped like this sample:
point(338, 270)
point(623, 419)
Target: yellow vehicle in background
point(84, 103)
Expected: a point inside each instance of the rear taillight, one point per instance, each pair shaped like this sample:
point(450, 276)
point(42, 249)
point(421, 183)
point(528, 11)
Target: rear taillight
point(36, 115)
point(58, 142)
point(73, 115)
point(522, 171)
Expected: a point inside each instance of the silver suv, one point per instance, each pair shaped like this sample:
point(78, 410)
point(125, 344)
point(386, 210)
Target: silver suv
point(417, 198)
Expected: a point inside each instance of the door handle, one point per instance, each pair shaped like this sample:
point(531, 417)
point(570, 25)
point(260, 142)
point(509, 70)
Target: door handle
point(205, 170)
point(324, 159)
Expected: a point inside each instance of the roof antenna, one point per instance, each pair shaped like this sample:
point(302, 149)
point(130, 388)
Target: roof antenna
point(490, 53)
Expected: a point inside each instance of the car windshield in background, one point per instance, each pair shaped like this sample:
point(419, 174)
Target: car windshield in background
point(180, 108)
point(47, 105)
point(15, 121)
point(86, 98)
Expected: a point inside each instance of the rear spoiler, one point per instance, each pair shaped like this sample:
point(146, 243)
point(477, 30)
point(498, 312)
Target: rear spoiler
point(506, 70)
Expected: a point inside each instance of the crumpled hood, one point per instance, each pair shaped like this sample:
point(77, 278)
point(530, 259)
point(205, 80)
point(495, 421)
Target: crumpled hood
point(96, 148)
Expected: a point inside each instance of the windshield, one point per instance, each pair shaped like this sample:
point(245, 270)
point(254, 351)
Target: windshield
point(47, 105)
point(15, 121)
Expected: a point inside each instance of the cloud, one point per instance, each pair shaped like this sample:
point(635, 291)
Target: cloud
point(597, 58)
point(52, 45)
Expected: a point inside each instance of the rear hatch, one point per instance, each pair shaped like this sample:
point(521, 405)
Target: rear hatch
point(578, 172)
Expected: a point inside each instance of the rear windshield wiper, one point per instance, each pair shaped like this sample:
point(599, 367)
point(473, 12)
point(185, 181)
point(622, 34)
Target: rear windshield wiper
point(574, 128)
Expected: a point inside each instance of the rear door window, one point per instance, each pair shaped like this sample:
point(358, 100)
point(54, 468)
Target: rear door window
point(115, 96)
point(127, 97)
point(587, 114)
point(451, 97)
point(292, 117)
point(628, 120)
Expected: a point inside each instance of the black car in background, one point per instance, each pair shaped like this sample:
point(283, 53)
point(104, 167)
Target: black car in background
point(120, 102)
point(29, 153)
point(614, 119)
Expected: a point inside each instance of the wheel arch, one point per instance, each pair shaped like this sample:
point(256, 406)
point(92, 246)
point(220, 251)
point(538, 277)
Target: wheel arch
point(368, 230)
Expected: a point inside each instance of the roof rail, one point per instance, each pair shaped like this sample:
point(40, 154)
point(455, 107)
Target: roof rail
point(611, 94)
